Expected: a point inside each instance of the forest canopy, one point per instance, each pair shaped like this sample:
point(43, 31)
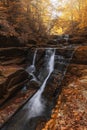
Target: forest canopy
point(38, 19)
point(60, 15)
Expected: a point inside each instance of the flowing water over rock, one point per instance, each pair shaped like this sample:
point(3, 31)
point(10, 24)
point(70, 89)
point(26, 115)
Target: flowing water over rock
point(56, 62)
point(31, 69)
point(37, 102)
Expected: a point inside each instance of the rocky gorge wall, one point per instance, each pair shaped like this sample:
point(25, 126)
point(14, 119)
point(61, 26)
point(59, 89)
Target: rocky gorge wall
point(13, 75)
point(70, 109)
point(12, 72)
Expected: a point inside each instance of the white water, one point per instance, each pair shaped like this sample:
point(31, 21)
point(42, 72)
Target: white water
point(37, 104)
point(66, 38)
point(34, 57)
point(31, 68)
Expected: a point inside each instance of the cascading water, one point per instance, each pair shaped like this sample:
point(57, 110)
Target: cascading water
point(31, 68)
point(66, 62)
point(37, 103)
point(35, 107)
point(34, 58)
point(66, 37)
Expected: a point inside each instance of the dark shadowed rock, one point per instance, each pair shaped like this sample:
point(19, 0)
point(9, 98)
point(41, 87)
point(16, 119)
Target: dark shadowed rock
point(32, 42)
point(33, 84)
point(10, 41)
point(13, 55)
point(12, 78)
point(80, 55)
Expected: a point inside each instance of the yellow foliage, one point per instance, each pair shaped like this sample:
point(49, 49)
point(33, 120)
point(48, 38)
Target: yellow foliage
point(58, 15)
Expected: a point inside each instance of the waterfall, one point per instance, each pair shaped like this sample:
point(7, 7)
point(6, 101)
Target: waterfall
point(34, 58)
point(66, 37)
point(31, 68)
point(50, 69)
point(36, 104)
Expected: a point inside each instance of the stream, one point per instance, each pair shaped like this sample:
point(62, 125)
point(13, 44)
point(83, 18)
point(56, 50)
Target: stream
point(55, 63)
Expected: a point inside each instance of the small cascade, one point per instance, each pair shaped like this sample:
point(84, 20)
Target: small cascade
point(66, 37)
point(66, 62)
point(31, 68)
point(34, 58)
point(37, 103)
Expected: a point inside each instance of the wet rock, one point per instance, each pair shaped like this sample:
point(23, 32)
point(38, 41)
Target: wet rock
point(12, 79)
point(52, 85)
point(33, 84)
point(13, 105)
point(41, 71)
point(41, 123)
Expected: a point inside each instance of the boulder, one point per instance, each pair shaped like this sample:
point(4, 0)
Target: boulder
point(12, 78)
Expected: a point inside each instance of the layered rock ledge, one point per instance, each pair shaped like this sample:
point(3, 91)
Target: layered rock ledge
point(12, 78)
